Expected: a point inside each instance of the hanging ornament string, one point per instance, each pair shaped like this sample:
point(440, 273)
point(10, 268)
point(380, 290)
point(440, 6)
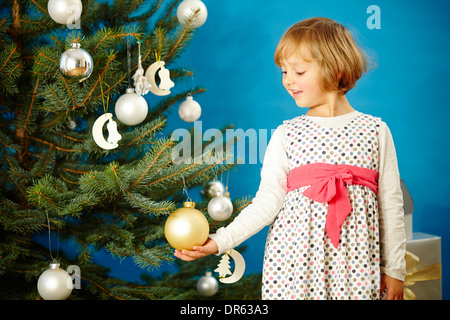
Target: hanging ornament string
point(227, 194)
point(129, 62)
point(105, 106)
point(160, 43)
point(50, 239)
point(188, 199)
point(189, 94)
point(193, 82)
point(77, 39)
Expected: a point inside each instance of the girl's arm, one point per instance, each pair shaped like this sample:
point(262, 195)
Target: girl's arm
point(390, 205)
point(264, 207)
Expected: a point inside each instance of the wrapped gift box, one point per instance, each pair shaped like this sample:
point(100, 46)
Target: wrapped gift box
point(427, 248)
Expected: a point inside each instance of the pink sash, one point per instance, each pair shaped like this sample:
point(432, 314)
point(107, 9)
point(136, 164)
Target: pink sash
point(328, 184)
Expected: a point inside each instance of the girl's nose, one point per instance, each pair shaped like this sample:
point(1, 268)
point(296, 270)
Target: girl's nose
point(288, 79)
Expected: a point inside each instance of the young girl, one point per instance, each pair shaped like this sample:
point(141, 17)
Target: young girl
point(330, 186)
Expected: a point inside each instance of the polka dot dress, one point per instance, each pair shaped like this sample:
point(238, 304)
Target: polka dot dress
point(300, 262)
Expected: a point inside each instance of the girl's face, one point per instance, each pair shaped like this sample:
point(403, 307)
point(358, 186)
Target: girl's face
point(302, 79)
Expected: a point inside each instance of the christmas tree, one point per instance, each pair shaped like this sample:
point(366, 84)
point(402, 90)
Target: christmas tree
point(57, 181)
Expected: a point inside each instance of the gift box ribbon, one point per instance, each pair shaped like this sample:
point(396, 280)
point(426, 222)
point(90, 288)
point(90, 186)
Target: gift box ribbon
point(430, 272)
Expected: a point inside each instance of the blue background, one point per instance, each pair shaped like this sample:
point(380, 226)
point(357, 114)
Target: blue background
point(232, 57)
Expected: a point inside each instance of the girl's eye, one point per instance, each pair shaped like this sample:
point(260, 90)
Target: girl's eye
point(300, 73)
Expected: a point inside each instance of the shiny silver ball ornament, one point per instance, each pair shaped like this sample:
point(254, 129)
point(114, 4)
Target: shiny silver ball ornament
point(207, 285)
point(65, 11)
point(212, 188)
point(220, 208)
point(55, 283)
point(131, 108)
point(76, 64)
point(189, 110)
point(186, 10)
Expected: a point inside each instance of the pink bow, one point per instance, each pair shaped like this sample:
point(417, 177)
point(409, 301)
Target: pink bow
point(328, 184)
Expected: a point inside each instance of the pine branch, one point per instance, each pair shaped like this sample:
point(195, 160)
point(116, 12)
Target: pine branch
point(150, 159)
point(146, 15)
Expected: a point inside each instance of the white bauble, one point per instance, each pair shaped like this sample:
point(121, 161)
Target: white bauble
point(75, 63)
point(55, 283)
point(207, 285)
point(72, 125)
point(220, 208)
point(186, 10)
point(189, 110)
point(65, 11)
point(131, 108)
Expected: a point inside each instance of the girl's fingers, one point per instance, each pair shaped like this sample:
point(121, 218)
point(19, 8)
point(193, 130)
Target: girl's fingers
point(189, 255)
point(210, 247)
point(182, 256)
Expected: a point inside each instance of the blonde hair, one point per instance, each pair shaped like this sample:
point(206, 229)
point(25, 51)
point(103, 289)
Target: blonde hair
point(331, 45)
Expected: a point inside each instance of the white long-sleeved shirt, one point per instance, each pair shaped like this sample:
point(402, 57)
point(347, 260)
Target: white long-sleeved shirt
point(272, 191)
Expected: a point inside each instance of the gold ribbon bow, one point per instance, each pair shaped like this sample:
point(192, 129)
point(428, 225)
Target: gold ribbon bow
point(413, 275)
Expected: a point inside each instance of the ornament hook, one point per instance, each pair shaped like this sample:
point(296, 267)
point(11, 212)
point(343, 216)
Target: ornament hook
point(188, 199)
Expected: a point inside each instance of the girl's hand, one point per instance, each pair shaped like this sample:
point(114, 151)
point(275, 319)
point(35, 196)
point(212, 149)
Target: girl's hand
point(210, 247)
point(393, 286)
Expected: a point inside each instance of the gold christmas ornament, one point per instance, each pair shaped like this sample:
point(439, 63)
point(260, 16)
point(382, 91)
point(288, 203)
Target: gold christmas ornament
point(186, 227)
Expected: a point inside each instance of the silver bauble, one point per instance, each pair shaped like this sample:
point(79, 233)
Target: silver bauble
point(189, 110)
point(186, 10)
point(55, 283)
point(212, 188)
point(76, 64)
point(131, 108)
point(65, 11)
point(220, 208)
point(207, 285)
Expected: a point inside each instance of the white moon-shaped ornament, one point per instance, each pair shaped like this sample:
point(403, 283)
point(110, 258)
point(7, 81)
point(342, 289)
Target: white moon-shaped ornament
point(164, 75)
point(113, 135)
point(239, 267)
